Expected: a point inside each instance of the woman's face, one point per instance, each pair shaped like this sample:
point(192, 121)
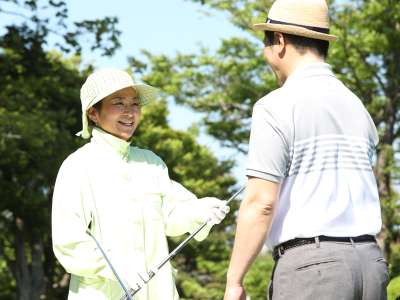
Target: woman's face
point(119, 113)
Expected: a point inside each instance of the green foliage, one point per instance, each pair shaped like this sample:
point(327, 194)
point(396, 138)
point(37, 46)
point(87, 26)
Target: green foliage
point(242, 12)
point(365, 58)
point(36, 120)
point(6, 280)
point(39, 114)
point(257, 280)
point(394, 262)
point(365, 55)
point(50, 17)
point(223, 86)
point(201, 266)
point(189, 163)
point(394, 289)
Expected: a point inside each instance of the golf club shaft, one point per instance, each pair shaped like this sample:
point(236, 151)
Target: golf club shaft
point(110, 265)
point(152, 273)
point(193, 234)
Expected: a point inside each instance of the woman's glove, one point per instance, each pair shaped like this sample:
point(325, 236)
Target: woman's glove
point(210, 210)
point(186, 212)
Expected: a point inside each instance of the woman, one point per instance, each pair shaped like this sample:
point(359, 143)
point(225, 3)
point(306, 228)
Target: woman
point(123, 196)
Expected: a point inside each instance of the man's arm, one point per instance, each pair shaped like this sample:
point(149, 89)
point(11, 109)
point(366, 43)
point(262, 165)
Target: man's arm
point(254, 221)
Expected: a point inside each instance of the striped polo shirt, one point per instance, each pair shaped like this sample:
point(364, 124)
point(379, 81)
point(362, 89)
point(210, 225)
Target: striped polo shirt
point(315, 137)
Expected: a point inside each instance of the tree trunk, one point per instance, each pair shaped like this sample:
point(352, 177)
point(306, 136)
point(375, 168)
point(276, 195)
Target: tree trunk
point(21, 265)
point(38, 284)
point(383, 172)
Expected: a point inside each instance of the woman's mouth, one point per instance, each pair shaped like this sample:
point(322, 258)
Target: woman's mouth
point(127, 124)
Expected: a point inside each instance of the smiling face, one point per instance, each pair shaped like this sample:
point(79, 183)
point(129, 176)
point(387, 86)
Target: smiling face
point(119, 113)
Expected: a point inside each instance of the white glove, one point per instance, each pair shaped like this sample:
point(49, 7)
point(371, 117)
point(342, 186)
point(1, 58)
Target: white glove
point(210, 209)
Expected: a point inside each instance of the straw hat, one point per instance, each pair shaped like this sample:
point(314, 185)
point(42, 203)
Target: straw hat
point(104, 82)
point(308, 18)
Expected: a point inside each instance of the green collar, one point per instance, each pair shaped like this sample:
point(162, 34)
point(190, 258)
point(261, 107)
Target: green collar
point(120, 146)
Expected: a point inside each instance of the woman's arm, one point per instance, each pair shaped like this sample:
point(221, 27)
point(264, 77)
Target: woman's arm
point(71, 216)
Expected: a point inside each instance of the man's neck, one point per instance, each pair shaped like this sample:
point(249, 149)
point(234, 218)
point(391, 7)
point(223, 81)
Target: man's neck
point(298, 61)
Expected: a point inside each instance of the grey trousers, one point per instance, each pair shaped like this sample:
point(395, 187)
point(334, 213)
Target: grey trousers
point(331, 271)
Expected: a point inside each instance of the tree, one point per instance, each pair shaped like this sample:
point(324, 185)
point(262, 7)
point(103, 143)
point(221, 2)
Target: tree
point(200, 266)
point(50, 17)
point(36, 113)
point(39, 113)
point(366, 57)
point(224, 85)
point(37, 117)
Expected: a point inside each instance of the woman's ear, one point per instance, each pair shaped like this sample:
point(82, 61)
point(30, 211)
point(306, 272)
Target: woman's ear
point(92, 115)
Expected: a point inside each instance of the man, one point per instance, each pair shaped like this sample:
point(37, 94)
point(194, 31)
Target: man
point(311, 192)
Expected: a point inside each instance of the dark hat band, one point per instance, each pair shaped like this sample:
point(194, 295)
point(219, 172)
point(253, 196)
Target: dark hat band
point(317, 29)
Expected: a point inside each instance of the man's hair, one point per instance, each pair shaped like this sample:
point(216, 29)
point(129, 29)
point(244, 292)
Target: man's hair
point(269, 38)
point(300, 43)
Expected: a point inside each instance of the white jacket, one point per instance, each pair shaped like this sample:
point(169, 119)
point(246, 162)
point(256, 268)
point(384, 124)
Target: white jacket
point(125, 197)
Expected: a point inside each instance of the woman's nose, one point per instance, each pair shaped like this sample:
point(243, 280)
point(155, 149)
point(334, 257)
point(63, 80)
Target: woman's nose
point(130, 109)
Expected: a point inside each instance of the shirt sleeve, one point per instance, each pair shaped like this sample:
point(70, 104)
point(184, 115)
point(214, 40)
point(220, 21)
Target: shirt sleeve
point(268, 148)
point(71, 216)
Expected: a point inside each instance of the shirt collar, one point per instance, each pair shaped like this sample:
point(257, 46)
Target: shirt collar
point(314, 69)
point(120, 146)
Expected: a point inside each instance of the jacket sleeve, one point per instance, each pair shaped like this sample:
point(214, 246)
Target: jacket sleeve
point(179, 205)
point(71, 217)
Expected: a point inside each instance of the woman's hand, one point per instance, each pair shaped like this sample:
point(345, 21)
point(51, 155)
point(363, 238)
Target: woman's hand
point(210, 209)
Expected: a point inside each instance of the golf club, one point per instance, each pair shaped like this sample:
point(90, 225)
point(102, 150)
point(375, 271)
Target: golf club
point(153, 272)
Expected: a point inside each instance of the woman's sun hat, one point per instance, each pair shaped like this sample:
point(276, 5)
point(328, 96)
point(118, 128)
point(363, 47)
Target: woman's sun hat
point(307, 18)
point(103, 83)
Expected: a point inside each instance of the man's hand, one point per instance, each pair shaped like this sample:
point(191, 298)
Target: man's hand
point(235, 292)
point(254, 220)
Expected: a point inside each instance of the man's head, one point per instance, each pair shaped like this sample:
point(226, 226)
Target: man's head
point(111, 100)
point(300, 43)
point(295, 32)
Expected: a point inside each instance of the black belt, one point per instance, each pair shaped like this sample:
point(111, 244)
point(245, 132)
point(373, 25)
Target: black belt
point(281, 248)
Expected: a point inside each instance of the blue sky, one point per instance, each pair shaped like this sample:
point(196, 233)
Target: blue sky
point(161, 27)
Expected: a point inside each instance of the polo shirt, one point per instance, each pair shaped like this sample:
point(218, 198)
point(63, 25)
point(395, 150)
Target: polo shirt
point(315, 138)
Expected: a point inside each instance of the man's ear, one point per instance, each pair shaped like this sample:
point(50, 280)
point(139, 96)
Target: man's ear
point(280, 43)
point(92, 115)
